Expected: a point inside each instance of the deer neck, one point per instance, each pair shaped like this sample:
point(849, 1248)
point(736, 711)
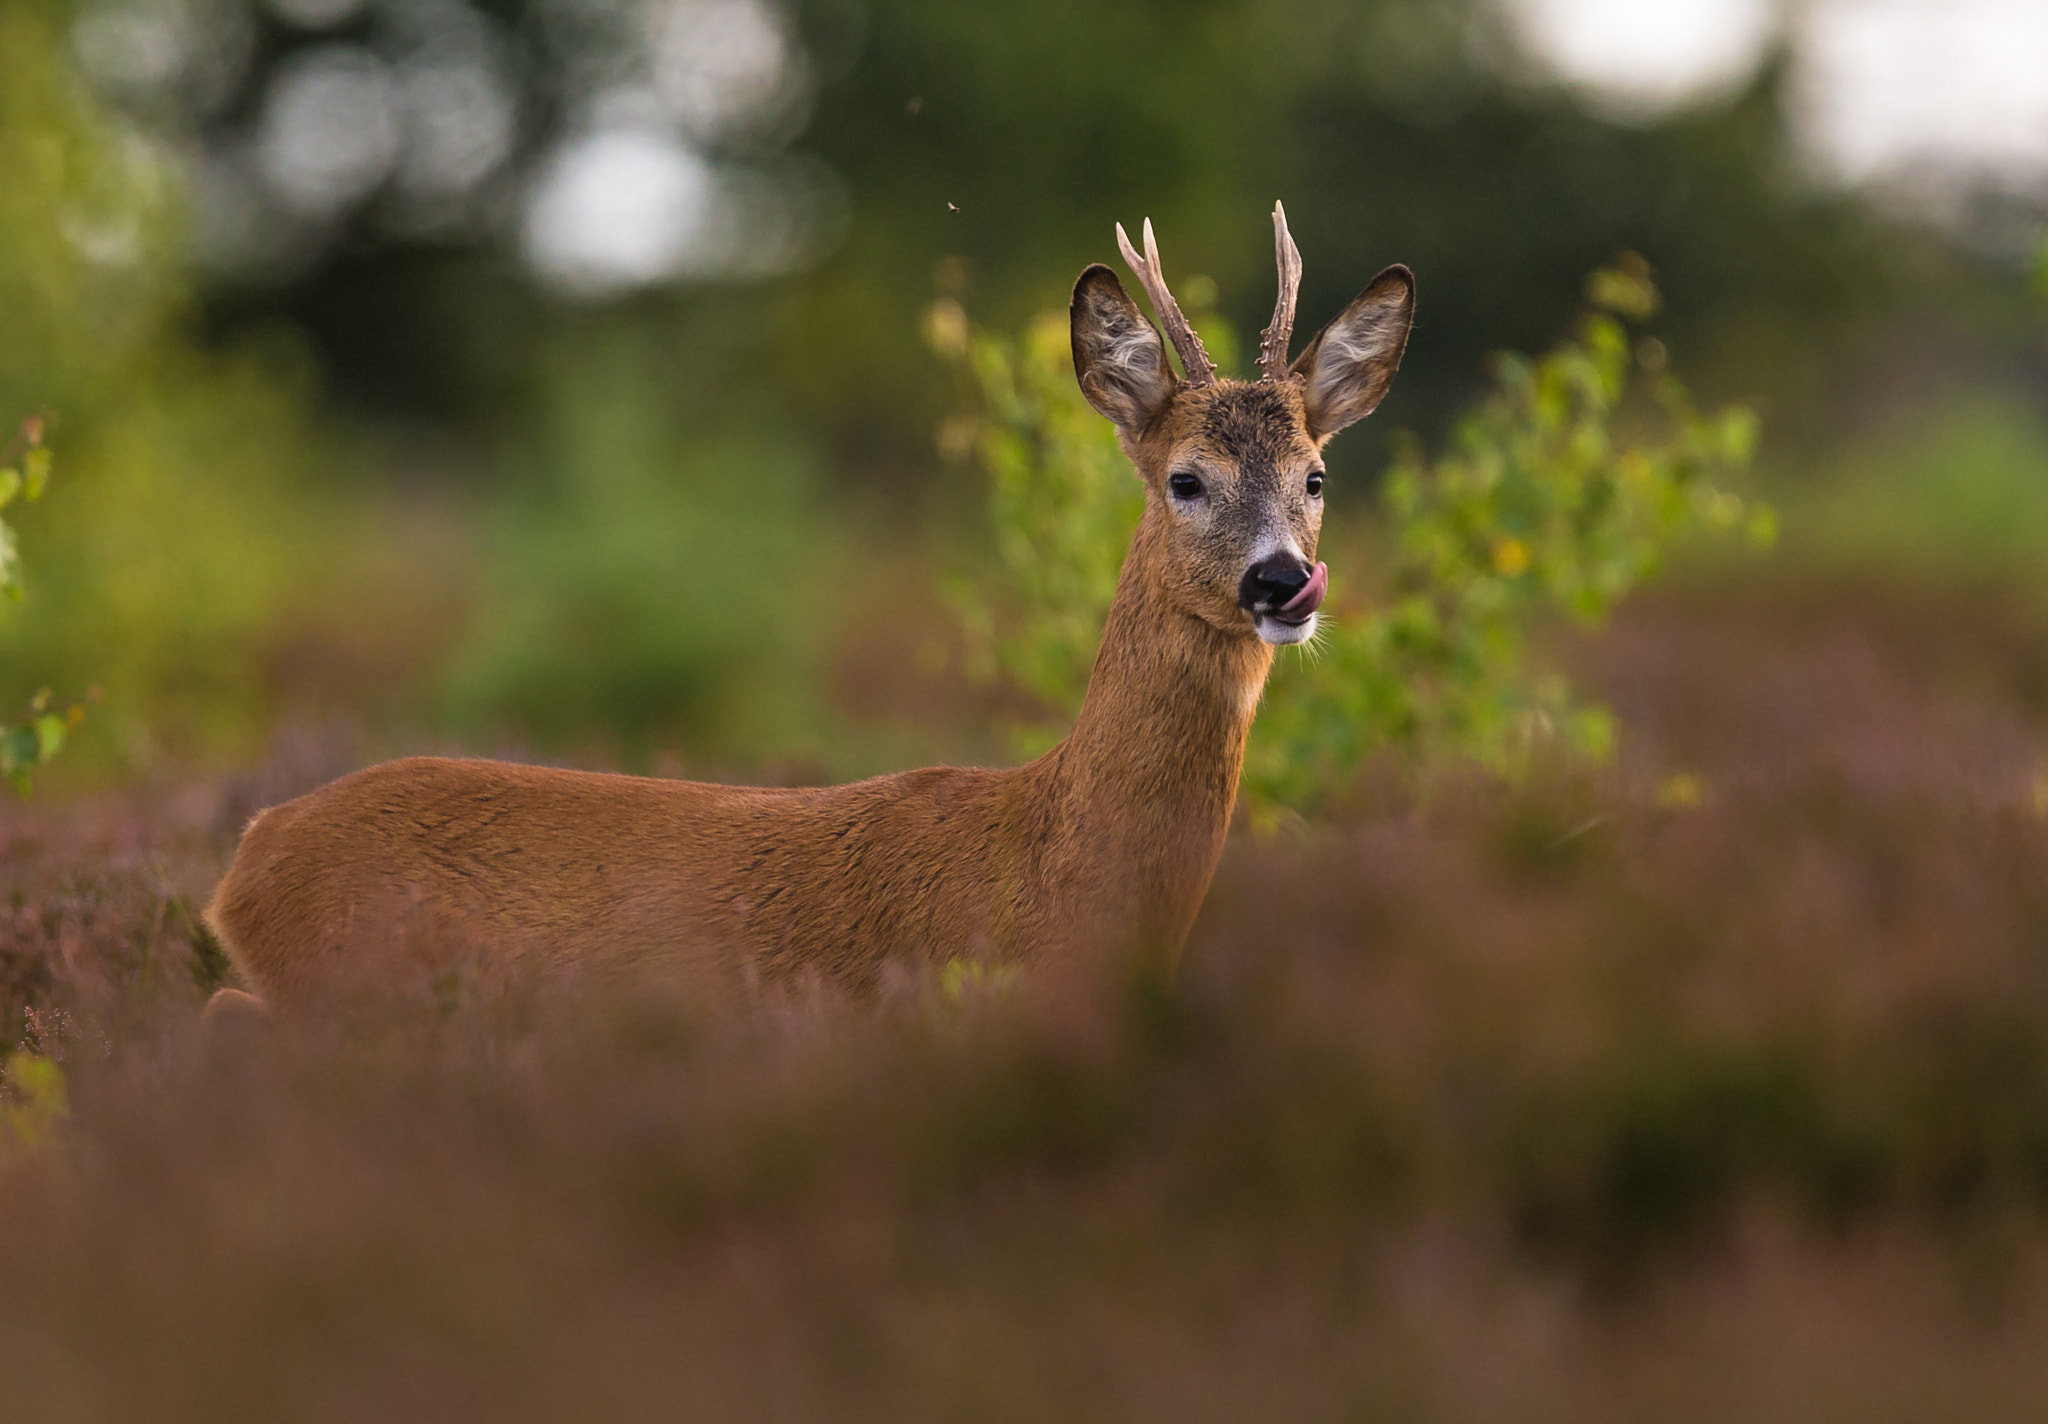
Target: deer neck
point(1142, 790)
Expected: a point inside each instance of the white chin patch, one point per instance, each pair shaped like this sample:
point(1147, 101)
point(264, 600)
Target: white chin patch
point(1280, 634)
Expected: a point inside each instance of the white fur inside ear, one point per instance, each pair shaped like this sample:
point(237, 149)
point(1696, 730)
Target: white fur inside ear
point(1353, 352)
point(1131, 356)
point(1123, 366)
point(1346, 370)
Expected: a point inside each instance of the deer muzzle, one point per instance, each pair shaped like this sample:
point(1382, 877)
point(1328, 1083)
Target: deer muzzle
point(1284, 588)
point(1310, 597)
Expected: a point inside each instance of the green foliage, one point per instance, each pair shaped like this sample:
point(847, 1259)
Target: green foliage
point(1062, 500)
point(25, 483)
point(1559, 492)
point(38, 734)
point(35, 737)
point(33, 1100)
point(645, 586)
point(188, 505)
point(1958, 491)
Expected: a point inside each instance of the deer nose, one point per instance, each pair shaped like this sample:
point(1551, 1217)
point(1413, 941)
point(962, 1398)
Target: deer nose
point(1274, 583)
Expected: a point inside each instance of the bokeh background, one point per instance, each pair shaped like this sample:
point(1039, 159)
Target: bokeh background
point(549, 376)
point(555, 378)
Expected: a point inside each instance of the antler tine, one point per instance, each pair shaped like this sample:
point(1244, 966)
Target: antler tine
point(1193, 359)
point(1273, 341)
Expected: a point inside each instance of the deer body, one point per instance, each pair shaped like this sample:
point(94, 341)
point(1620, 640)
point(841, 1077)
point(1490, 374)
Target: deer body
point(736, 887)
point(386, 878)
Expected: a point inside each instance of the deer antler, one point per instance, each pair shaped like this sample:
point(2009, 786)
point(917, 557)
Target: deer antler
point(1273, 341)
point(1193, 359)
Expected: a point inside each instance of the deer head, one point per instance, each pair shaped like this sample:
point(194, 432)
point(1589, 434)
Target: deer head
point(1233, 470)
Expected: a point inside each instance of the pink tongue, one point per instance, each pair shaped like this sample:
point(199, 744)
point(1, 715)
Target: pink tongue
point(1311, 596)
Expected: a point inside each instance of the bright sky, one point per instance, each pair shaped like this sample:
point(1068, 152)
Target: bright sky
point(1642, 56)
point(1880, 86)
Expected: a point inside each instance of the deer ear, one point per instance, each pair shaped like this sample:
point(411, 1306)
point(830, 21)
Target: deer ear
point(1118, 356)
point(1346, 370)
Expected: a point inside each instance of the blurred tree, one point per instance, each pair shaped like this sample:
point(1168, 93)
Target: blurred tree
point(995, 144)
point(184, 503)
point(651, 579)
point(387, 202)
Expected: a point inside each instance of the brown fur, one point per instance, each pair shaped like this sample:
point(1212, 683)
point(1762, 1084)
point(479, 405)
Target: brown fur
point(398, 875)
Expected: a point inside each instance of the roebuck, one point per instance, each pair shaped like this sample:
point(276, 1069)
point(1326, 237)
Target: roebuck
point(1106, 843)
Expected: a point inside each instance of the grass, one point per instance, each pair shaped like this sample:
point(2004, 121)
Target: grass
point(1713, 1085)
point(1958, 491)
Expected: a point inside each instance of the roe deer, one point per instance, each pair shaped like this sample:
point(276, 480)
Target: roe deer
point(1105, 843)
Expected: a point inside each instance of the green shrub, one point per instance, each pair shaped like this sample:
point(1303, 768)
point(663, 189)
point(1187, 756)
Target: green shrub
point(37, 734)
point(1558, 493)
point(647, 584)
point(192, 477)
point(1062, 501)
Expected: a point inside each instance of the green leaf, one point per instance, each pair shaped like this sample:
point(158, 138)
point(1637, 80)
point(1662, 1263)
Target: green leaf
point(1739, 427)
point(10, 563)
point(19, 751)
point(35, 467)
point(1625, 289)
point(49, 736)
point(10, 486)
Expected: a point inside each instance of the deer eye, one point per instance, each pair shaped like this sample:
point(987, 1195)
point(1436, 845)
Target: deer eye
point(1315, 482)
point(1185, 485)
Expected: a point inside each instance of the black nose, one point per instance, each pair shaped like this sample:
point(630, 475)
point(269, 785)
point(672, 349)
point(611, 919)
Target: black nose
point(1269, 583)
